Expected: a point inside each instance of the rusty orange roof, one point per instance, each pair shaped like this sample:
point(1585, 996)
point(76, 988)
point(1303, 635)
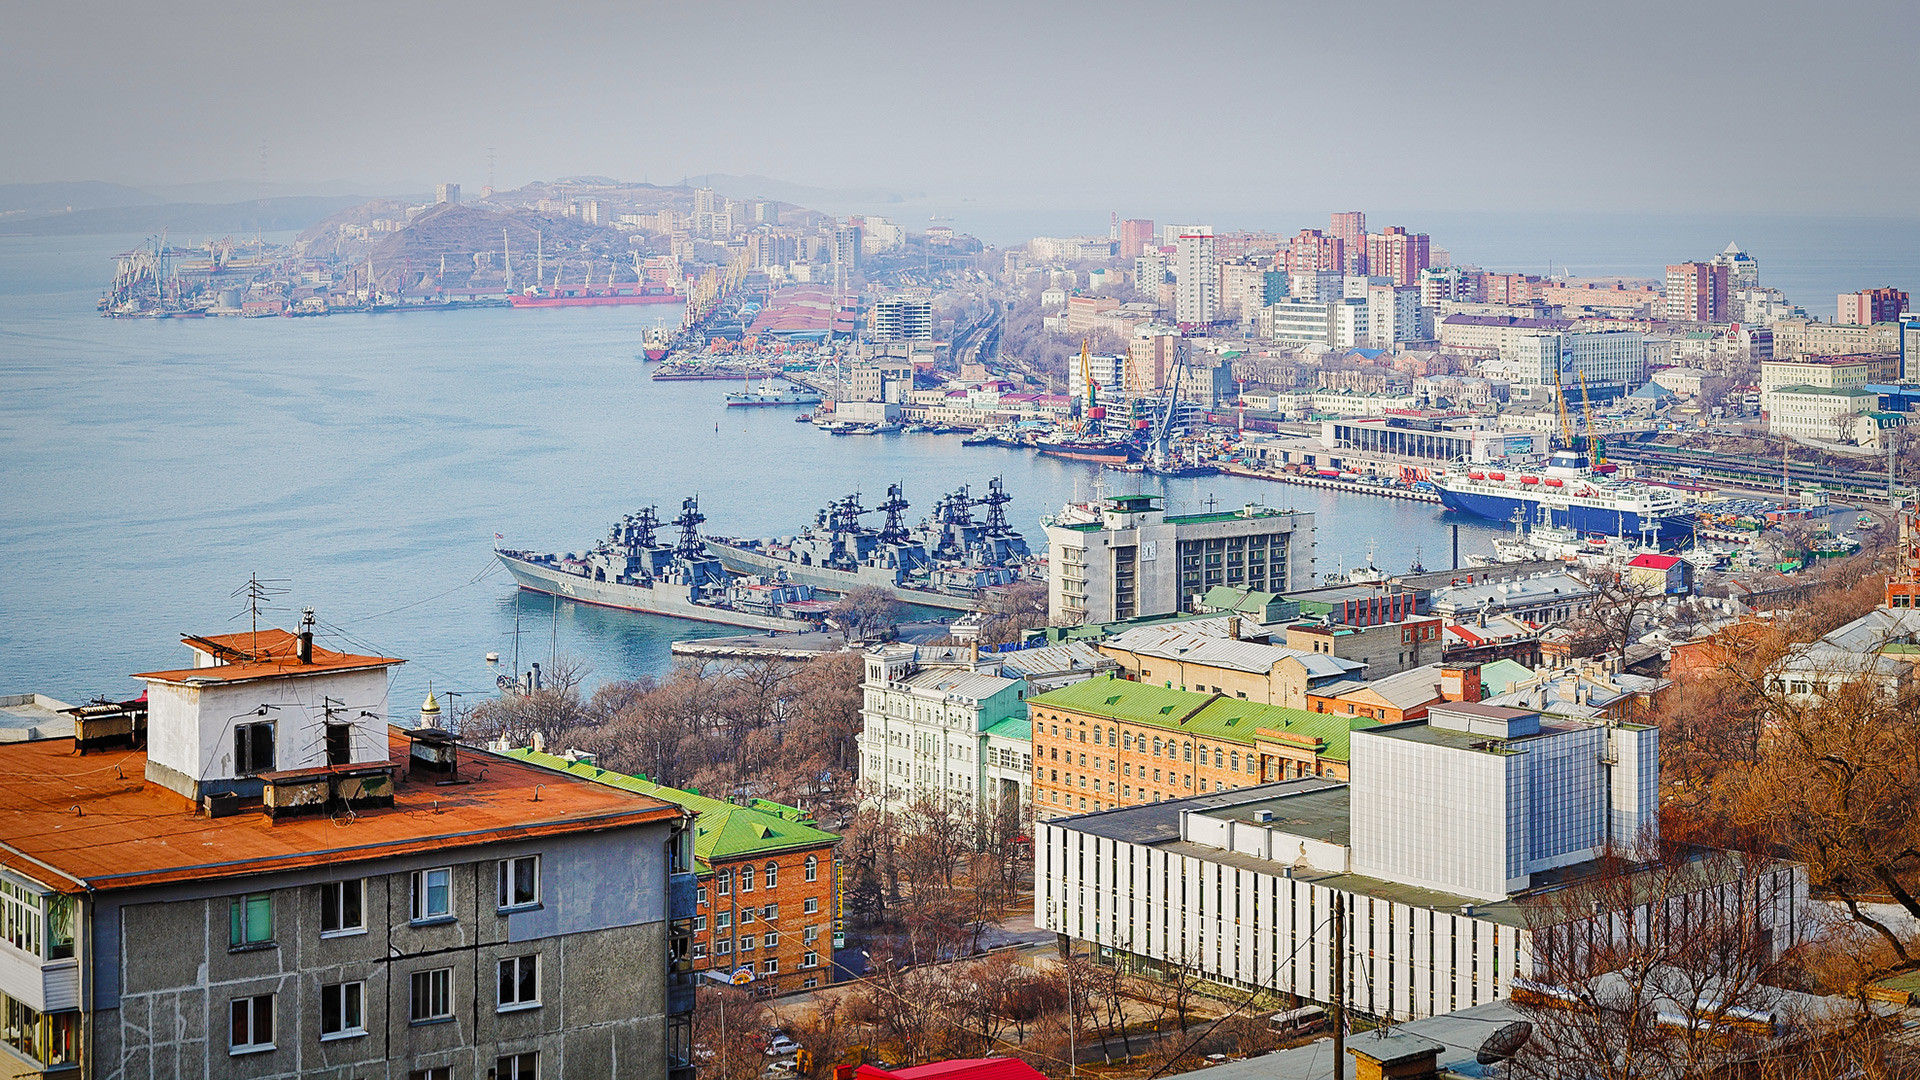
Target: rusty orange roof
point(76, 822)
point(263, 654)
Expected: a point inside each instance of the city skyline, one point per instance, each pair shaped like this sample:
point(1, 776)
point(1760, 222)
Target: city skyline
point(663, 94)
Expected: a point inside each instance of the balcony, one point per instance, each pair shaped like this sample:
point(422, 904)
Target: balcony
point(682, 892)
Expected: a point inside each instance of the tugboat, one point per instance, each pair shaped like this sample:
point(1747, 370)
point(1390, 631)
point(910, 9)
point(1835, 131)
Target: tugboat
point(945, 562)
point(633, 570)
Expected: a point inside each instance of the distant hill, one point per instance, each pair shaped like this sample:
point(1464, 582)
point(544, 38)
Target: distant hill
point(764, 187)
point(271, 215)
point(61, 195)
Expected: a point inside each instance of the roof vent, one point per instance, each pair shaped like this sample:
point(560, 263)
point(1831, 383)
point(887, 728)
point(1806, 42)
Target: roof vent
point(1263, 816)
point(434, 750)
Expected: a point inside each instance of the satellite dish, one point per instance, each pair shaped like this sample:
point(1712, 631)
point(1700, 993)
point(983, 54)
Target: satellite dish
point(1504, 1043)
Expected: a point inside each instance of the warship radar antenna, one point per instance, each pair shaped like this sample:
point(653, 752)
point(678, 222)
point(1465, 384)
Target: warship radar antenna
point(996, 500)
point(893, 532)
point(643, 522)
point(958, 508)
point(689, 521)
point(846, 514)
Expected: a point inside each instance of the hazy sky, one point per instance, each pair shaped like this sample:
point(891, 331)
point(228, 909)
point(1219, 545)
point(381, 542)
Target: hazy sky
point(1593, 106)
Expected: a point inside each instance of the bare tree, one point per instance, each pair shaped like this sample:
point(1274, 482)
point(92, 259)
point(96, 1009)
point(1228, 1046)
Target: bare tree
point(1011, 611)
point(1661, 969)
point(866, 612)
point(1620, 610)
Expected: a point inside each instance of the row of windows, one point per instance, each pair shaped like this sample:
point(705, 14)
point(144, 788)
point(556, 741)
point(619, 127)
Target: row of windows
point(723, 880)
point(769, 966)
point(343, 904)
point(809, 906)
point(343, 1013)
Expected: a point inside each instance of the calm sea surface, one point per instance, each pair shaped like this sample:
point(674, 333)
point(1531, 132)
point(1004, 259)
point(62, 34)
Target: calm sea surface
point(365, 462)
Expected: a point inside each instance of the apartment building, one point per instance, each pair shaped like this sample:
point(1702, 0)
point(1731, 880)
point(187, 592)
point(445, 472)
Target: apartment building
point(1796, 338)
point(766, 906)
point(1313, 251)
point(1445, 824)
point(1397, 255)
point(900, 319)
point(1869, 306)
point(1197, 282)
point(1696, 292)
point(1108, 742)
point(1612, 362)
point(260, 877)
point(1384, 643)
point(1125, 557)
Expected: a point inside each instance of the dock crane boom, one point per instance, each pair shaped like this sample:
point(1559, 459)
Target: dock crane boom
point(1586, 413)
point(1560, 405)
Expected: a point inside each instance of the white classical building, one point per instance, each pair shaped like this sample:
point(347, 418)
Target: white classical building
point(1448, 828)
point(948, 724)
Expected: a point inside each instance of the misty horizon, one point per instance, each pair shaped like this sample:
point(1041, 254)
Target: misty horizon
point(1632, 108)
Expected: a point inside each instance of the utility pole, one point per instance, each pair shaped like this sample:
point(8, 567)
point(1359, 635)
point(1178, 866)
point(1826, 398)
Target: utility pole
point(1339, 982)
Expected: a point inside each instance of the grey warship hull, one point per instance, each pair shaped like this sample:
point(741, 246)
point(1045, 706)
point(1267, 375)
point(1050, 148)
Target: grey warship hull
point(741, 560)
point(664, 599)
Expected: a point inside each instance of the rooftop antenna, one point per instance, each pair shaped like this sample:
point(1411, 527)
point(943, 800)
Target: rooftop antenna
point(257, 591)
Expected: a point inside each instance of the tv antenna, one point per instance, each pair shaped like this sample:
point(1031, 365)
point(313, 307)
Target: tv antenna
point(257, 591)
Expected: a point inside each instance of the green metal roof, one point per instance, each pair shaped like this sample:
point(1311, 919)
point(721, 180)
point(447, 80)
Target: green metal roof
point(1499, 676)
point(722, 831)
point(1206, 716)
point(1013, 727)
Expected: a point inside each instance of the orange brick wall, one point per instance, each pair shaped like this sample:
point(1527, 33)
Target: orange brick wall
point(790, 896)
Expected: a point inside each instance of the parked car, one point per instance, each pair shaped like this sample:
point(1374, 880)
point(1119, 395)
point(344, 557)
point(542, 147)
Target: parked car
point(782, 1046)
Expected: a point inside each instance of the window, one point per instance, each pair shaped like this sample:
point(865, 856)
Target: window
point(771, 967)
point(773, 874)
point(432, 894)
point(810, 935)
point(747, 943)
point(723, 920)
point(813, 868)
point(252, 1028)
point(431, 996)
point(812, 959)
point(699, 950)
point(810, 983)
point(773, 939)
point(342, 1013)
point(746, 916)
point(811, 906)
point(723, 946)
point(343, 907)
point(251, 921)
point(700, 895)
point(519, 982)
point(253, 748)
point(723, 883)
point(517, 1066)
point(519, 882)
point(438, 1072)
point(50, 1039)
point(746, 879)
point(770, 912)
point(699, 923)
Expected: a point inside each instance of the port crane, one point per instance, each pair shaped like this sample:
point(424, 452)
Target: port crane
point(1162, 445)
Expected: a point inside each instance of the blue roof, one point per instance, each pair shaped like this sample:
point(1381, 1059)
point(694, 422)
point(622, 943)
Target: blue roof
point(1653, 391)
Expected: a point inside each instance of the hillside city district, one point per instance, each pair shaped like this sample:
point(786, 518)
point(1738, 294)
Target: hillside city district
point(1168, 792)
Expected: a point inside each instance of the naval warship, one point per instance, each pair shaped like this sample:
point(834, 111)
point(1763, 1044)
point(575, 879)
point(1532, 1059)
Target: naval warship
point(945, 562)
point(634, 569)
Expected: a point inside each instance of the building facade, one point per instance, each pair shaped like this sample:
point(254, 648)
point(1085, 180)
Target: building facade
point(419, 911)
point(1696, 292)
point(1397, 255)
point(1197, 300)
point(1108, 742)
point(766, 905)
point(1869, 306)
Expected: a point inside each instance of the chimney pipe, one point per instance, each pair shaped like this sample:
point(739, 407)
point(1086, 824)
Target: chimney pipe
point(303, 644)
